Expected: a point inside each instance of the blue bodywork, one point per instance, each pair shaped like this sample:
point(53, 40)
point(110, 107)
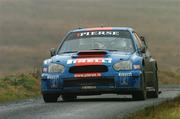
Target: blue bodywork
point(120, 82)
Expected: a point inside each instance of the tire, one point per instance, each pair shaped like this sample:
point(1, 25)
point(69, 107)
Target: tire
point(50, 98)
point(141, 95)
point(154, 94)
point(69, 97)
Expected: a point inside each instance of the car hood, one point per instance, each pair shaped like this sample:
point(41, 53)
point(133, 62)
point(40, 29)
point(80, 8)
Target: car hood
point(90, 58)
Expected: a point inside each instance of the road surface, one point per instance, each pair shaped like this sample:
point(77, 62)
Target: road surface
point(88, 107)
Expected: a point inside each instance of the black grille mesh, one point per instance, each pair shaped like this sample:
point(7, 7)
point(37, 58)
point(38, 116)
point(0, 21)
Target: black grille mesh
point(87, 69)
point(88, 82)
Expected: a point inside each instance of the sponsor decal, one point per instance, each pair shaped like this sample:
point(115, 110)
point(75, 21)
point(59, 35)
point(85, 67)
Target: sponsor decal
point(84, 75)
point(124, 81)
point(53, 77)
point(89, 61)
point(98, 33)
point(125, 74)
point(88, 87)
point(53, 80)
point(54, 84)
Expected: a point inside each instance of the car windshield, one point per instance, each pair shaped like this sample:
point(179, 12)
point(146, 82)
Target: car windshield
point(97, 40)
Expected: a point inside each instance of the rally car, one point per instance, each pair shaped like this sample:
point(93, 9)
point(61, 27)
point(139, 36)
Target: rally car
point(103, 60)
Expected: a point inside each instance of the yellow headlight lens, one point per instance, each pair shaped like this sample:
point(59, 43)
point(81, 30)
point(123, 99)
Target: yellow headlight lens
point(123, 65)
point(55, 68)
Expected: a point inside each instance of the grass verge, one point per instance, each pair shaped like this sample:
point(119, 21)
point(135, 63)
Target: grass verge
point(17, 87)
point(166, 110)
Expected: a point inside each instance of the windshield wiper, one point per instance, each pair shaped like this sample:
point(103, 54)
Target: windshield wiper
point(68, 52)
point(97, 49)
point(104, 49)
point(113, 50)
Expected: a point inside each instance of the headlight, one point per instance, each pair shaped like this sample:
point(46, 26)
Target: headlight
point(55, 68)
point(123, 65)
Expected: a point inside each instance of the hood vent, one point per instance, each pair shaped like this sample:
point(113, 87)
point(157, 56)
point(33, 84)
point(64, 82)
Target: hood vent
point(93, 53)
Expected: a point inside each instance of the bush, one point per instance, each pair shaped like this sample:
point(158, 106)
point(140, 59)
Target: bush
point(18, 87)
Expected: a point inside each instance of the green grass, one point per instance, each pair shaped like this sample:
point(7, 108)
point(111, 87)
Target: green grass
point(166, 110)
point(18, 87)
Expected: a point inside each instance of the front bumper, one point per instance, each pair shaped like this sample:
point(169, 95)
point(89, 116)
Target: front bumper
point(124, 82)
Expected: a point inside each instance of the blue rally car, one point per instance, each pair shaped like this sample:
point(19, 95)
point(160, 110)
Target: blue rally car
point(94, 61)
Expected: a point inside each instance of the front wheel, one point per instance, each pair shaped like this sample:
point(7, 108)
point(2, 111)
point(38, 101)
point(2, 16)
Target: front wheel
point(50, 98)
point(155, 93)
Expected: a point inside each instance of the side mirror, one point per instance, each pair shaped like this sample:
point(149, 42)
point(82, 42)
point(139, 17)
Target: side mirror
point(144, 41)
point(142, 38)
point(52, 52)
point(143, 49)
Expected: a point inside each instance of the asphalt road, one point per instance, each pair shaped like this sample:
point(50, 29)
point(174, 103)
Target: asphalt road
point(88, 107)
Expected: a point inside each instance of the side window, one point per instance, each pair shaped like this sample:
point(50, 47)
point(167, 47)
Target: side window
point(138, 40)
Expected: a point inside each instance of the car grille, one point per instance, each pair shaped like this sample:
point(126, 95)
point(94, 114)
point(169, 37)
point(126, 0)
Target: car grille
point(87, 69)
point(89, 82)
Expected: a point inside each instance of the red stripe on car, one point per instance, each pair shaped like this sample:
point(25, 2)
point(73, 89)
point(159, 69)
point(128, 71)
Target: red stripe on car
point(99, 28)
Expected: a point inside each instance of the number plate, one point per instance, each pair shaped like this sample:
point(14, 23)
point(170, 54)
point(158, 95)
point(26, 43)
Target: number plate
point(88, 87)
